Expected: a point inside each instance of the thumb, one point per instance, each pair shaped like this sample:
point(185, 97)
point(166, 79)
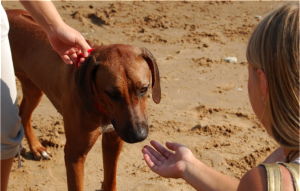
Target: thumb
point(173, 146)
point(84, 46)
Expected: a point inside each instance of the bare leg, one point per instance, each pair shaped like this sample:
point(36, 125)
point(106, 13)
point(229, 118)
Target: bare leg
point(5, 172)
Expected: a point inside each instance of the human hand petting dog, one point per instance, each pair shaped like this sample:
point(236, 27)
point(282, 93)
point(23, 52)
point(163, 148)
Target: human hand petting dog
point(66, 41)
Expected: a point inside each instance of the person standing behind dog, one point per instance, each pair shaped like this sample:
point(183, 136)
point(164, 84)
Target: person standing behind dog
point(66, 41)
point(273, 88)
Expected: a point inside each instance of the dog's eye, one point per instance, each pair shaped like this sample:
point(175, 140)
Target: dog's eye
point(113, 95)
point(144, 90)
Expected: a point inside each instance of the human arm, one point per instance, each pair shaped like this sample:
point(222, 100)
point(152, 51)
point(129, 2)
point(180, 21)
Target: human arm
point(183, 164)
point(65, 40)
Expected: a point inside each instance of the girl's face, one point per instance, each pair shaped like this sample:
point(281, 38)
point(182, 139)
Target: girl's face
point(255, 95)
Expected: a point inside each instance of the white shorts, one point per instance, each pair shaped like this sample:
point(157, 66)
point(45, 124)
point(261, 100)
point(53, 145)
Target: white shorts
point(12, 131)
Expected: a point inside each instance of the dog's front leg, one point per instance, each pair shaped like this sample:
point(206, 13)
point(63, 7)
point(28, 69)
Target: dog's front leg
point(111, 147)
point(77, 146)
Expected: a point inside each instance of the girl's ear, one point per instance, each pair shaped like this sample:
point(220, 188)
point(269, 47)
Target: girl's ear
point(263, 83)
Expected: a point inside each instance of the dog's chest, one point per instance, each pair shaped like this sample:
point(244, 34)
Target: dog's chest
point(107, 128)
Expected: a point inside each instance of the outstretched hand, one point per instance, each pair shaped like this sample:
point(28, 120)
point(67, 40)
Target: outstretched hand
point(166, 163)
point(68, 43)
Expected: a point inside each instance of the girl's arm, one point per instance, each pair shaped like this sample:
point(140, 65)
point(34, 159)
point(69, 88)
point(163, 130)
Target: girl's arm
point(183, 164)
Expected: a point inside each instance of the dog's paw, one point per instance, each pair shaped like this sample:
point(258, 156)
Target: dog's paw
point(43, 155)
point(46, 156)
point(38, 150)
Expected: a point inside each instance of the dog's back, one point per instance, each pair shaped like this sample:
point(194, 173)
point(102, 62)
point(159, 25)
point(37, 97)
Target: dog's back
point(34, 57)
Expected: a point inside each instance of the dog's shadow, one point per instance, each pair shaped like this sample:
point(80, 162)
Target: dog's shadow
point(28, 156)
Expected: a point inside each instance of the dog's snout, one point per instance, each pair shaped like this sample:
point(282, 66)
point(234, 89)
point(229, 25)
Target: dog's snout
point(132, 132)
point(139, 135)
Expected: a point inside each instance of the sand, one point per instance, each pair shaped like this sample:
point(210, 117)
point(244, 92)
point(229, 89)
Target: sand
point(204, 102)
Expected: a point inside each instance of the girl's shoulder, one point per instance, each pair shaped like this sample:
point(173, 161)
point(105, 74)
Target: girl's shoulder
point(255, 179)
point(273, 175)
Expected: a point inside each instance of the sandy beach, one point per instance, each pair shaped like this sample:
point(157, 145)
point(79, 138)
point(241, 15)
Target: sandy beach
point(204, 104)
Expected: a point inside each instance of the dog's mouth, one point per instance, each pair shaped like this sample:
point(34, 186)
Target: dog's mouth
point(132, 133)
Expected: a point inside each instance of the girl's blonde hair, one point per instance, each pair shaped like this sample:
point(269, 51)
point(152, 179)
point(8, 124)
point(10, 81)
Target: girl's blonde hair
point(274, 47)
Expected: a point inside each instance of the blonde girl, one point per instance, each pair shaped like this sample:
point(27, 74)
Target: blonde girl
point(273, 88)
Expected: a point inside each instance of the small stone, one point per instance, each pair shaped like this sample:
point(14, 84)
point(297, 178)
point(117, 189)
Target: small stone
point(231, 59)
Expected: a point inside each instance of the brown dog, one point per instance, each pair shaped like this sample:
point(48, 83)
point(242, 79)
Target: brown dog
point(115, 77)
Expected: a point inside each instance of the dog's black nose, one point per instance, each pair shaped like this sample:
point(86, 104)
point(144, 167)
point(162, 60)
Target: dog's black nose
point(139, 135)
point(132, 132)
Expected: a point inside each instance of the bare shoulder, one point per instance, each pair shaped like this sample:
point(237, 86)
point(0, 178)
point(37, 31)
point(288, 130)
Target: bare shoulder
point(254, 179)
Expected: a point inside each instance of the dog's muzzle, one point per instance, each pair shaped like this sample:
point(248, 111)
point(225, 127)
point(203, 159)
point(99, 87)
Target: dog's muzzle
point(133, 133)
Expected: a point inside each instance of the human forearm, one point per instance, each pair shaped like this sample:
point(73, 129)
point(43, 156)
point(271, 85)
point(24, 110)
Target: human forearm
point(201, 177)
point(65, 40)
point(44, 13)
point(183, 164)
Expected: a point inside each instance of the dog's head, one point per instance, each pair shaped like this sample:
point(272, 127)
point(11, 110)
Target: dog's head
point(117, 78)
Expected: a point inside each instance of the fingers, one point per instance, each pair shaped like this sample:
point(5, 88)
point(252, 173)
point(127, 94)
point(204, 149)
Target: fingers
point(81, 60)
point(162, 150)
point(152, 155)
point(69, 59)
point(66, 59)
point(149, 162)
point(68, 42)
point(83, 45)
point(174, 146)
point(73, 54)
point(73, 57)
point(158, 156)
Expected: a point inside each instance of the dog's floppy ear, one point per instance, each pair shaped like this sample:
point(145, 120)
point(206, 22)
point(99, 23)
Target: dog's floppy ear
point(156, 91)
point(84, 82)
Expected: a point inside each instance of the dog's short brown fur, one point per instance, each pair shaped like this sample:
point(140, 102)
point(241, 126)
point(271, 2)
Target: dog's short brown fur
point(116, 77)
